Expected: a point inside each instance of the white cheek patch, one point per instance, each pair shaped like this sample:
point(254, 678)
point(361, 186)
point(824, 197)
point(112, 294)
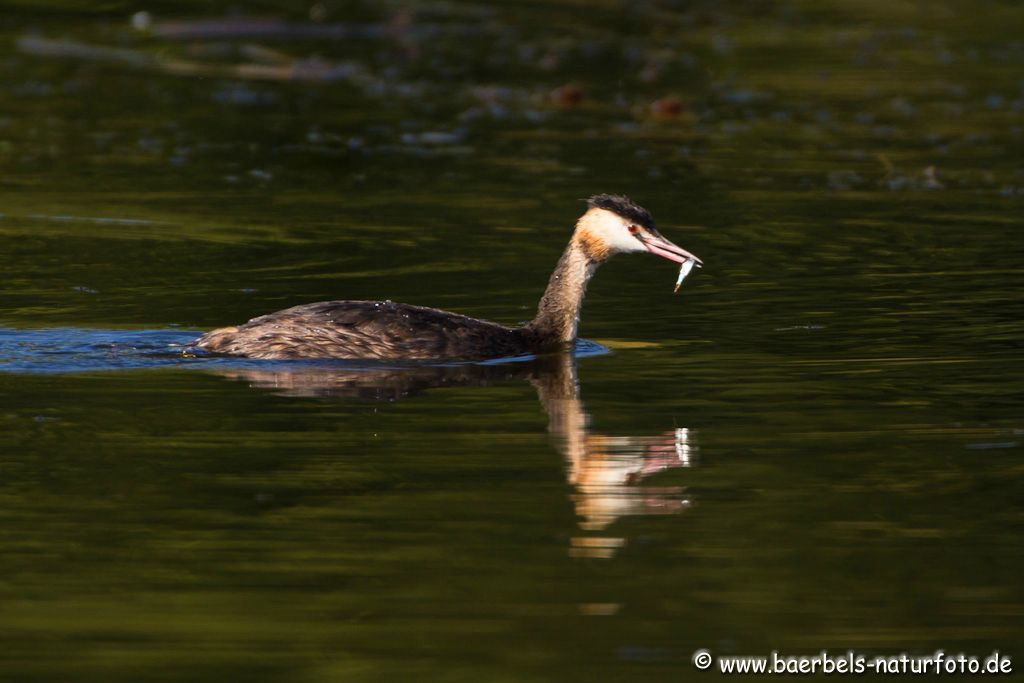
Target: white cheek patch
point(614, 232)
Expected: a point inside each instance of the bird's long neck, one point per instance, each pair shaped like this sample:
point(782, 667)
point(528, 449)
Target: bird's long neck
point(558, 314)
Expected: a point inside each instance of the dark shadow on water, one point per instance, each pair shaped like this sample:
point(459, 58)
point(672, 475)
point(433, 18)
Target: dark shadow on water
point(606, 472)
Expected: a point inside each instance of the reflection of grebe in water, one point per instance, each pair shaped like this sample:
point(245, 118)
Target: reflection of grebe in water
point(606, 472)
point(389, 331)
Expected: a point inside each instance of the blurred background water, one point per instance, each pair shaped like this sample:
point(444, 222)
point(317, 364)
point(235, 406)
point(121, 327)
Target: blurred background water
point(816, 444)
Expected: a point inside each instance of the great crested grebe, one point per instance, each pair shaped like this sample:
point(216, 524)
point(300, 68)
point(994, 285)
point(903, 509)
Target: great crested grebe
point(383, 330)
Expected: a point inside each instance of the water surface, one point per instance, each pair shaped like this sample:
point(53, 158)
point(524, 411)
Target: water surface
point(816, 444)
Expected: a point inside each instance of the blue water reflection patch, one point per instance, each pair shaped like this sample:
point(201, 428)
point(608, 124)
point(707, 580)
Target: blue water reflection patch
point(75, 349)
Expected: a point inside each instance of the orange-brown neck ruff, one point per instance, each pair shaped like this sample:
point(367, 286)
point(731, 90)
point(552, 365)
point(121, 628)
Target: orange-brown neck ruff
point(595, 248)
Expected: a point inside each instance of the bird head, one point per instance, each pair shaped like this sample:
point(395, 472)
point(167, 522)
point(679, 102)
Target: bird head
point(614, 224)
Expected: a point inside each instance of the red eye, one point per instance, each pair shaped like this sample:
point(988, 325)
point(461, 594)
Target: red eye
point(633, 230)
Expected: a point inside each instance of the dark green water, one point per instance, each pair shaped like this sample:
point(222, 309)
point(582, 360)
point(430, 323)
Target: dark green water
point(817, 444)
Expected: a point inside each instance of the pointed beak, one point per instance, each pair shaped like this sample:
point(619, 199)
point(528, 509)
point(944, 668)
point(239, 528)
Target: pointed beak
point(656, 244)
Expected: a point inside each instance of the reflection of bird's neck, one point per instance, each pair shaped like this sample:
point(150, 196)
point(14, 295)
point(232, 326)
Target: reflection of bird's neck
point(559, 393)
point(558, 314)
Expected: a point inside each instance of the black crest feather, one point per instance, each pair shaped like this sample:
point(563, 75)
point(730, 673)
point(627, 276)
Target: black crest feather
point(623, 206)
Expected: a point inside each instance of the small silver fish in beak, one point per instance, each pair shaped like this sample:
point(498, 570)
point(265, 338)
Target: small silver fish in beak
point(684, 270)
